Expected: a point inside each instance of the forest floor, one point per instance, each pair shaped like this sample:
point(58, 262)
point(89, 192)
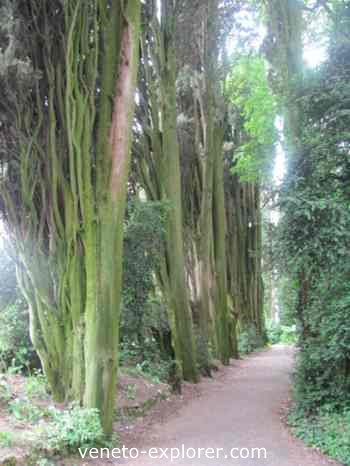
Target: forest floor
point(243, 406)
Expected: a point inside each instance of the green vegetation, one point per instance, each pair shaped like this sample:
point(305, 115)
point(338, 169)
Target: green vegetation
point(36, 385)
point(6, 439)
point(247, 87)
point(277, 333)
point(24, 410)
point(74, 428)
point(329, 431)
point(313, 233)
point(143, 225)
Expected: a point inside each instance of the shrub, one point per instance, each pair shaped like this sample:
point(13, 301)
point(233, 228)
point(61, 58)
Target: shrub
point(36, 385)
point(288, 335)
point(6, 439)
point(281, 333)
point(274, 332)
point(249, 340)
point(5, 391)
point(24, 410)
point(319, 378)
point(16, 351)
point(74, 428)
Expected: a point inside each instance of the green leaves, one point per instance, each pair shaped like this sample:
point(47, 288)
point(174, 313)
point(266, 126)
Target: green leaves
point(143, 251)
point(74, 428)
point(247, 88)
point(329, 431)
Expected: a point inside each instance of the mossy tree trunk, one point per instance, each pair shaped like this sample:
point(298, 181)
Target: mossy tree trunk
point(219, 229)
point(66, 216)
point(245, 255)
point(201, 136)
point(160, 174)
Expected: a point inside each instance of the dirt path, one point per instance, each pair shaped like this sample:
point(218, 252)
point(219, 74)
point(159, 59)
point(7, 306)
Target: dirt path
point(240, 410)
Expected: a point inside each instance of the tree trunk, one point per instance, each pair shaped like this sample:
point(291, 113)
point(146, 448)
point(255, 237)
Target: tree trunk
point(106, 247)
point(219, 226)
point(66, 214)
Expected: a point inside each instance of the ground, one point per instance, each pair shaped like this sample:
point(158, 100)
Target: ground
point(136, 395)
point(240, 407)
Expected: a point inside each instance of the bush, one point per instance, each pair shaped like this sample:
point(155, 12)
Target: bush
point(274, 332)
point(281, 333)
point(323, 364)
point(16, 351)
point(75, 428)
point(5, 391)
point(148, 359)
point(144, 233)
point(288, 335)
point(249, 340)
point(318, 378)
point(24, 410)
point(6, 439)
point(36, 385)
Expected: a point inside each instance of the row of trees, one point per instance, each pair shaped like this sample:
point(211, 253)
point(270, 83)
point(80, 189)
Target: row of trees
point(314, 198)
point(70, 75)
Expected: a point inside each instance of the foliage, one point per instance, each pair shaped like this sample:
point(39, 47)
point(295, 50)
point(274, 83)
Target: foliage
point(5, 391)
point(6, 439)
point(36, 385)
point(249, 340)
point(44, 462)
point(145, 332)
point(289, 335)
point(329, 431)
point(274, 332)
point(248, 89)
point(9, 292)
point(74, 428)
point(16, 351)
point(287, 296)
point(314, 236)
point(278, 333)
point(143, 249)
point(148, 359)
point(130, 391)
point(24, 410)
point(323, 362)
point(314, 229)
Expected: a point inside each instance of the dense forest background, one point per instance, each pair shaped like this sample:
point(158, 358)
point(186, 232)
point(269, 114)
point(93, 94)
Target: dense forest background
point(145, 223)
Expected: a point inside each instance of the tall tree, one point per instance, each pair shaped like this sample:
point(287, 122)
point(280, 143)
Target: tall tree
point(201, 129)
point(69, 73)
point(315, 222)
point(159, 169)
point(284, 48)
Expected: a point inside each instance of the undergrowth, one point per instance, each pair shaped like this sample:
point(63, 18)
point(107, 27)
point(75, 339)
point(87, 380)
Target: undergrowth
point(328, 430)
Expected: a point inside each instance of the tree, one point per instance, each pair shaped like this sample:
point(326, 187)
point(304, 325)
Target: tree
point(159, 170)
point(250, 137)
point(313, 232)
point(201, 129)
point(69, 73)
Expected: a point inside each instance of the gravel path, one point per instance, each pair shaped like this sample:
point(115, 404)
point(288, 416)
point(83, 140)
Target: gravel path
point(241, 410)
